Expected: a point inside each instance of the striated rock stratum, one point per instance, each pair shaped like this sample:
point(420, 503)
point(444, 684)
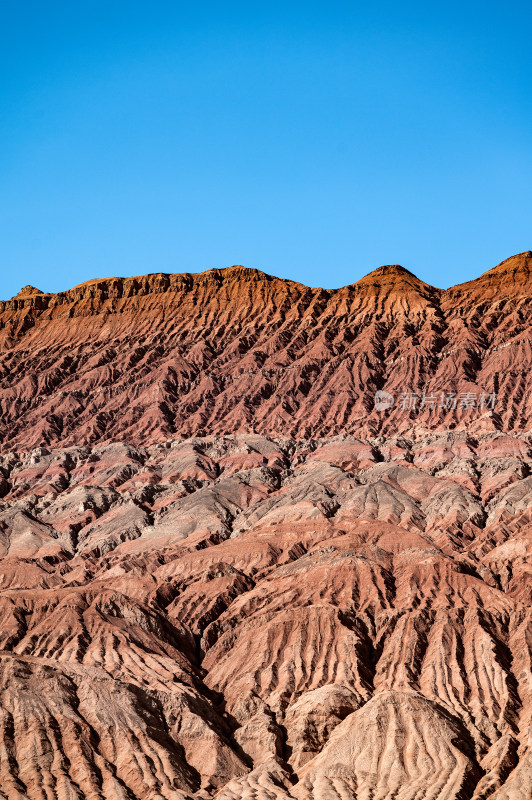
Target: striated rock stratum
point(226, 573)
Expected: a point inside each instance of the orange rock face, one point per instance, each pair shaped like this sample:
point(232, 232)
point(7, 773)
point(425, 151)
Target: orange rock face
point(224, 573)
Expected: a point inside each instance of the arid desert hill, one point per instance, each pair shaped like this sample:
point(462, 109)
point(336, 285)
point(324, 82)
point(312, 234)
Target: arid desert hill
point(235, 350)
point(226, 573)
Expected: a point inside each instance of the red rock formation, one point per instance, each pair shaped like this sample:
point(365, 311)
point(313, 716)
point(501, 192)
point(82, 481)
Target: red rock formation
point(147, 359)
point(239, 616)
point(191, 609)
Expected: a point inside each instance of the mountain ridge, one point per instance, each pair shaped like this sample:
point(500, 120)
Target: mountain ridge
point(236, 350)
point(249, 273)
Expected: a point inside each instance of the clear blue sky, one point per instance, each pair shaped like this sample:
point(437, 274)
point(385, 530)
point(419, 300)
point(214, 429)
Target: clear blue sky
point(313, 140)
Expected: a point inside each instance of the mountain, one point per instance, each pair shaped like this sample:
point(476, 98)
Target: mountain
point(235, 350)
point(230, 570)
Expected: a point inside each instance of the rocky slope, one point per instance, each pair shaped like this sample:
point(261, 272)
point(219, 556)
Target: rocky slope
point(146, 359)
point(225, 574)
point(248, 617)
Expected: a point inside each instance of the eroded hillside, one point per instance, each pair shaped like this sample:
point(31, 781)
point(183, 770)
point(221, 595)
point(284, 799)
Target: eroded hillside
point(147, 359)
point(248, 617)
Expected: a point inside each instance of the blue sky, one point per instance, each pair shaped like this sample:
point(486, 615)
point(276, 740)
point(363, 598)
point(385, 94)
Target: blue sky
point(315, 140)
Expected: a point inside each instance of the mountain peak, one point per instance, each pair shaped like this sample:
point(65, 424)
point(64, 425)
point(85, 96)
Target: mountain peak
point(28, 290)
point(391, 269)
point(394, 276)
point(519, 263)
point(236, 271)
point(510, 277)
